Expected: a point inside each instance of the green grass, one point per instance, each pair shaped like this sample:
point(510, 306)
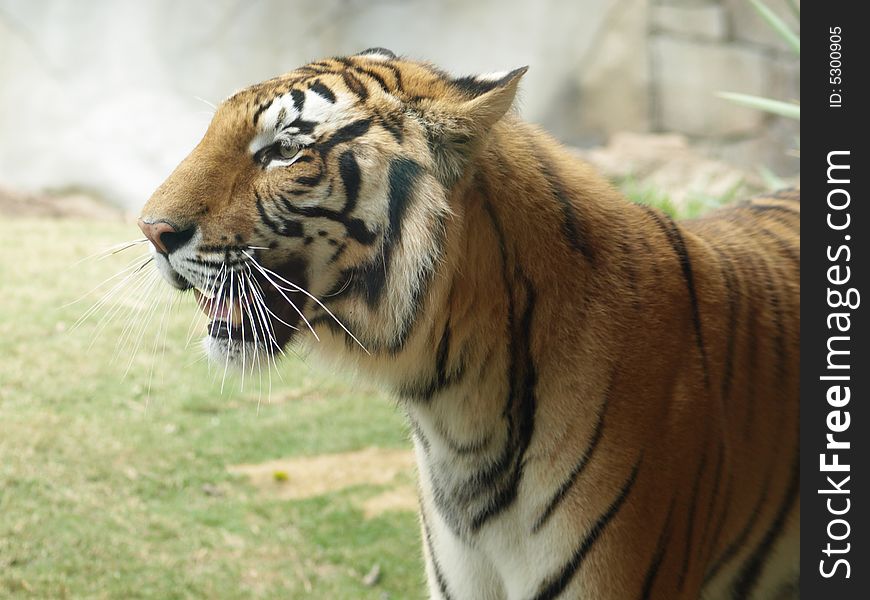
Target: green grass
point(694, 205)
point(115, 486)
point(113, 471)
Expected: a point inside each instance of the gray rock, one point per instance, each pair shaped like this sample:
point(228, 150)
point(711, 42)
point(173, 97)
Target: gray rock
point(706, 22)
point(687, 76)
point(748, 25)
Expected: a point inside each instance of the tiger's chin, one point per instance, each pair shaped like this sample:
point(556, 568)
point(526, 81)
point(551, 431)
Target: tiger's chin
point(239, 356)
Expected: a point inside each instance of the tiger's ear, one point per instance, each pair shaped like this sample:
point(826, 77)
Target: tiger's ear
point(466, 111)
point(377, 53)
point(491, 95)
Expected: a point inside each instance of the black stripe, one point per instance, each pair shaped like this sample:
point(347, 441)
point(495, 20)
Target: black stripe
point(309, 180)
point(678, 244)
point(441, 378)
point(321, 90)
point(648, 251)
point(261, 109)
point(522, 396)
point(787, 218)
point(572, 226)
point(393, 124)
point(733, 310)
point(348, 168)
point(439, 574)
point(738, 542)
point(220, 248)
point(714, 496)
point(556, 584)
point(378, 79)
point(653, 570)
point(628, 264)
point(368, 280)
point(338, 252)
point(770, 276)
point(785, 209)
point(284, 226)
point(378, 50)
point(788, 248)
point(758, 276)
point(418, 432)
point(355, 85)
point(465, 448)
point(506, 472)
point(397, 73)
point(355, 228)
point(212, 265)
point(495, 484)
point(569, 481)
point(720, 525)
point(693, 507)
point(298, 97)
point(474, 87)
point(264, 216)
point(402, 177)
point(301, 125)
point(752, 567)
point(347, 133)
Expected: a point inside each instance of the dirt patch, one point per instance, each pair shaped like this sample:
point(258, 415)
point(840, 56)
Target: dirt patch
point(310, 476)
point(399, 498)
point(62, 205)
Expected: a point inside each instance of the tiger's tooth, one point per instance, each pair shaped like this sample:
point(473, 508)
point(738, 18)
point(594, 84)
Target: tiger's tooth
point(237, 312)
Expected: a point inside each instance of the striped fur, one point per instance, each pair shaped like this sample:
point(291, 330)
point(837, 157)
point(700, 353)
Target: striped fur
point(603, 402)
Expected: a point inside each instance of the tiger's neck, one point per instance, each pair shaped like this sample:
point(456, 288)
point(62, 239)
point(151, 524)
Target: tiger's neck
point(531, 225)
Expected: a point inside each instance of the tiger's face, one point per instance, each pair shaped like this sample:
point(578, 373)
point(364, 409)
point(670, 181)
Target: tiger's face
point(325, 187)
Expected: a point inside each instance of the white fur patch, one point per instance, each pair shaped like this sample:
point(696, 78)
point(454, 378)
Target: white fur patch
point(378, 56)
point(496, 76)
point(241, 356)
point(275, 122)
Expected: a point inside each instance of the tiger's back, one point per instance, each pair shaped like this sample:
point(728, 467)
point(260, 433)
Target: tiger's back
point(740, 267)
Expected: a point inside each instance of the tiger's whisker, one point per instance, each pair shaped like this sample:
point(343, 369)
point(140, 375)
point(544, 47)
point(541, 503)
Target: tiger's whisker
point(137, 339)
point(113, 249)
point(280, 291)
point(142, 283)
point(229, 329)
point(135, 266)
point(308, 294)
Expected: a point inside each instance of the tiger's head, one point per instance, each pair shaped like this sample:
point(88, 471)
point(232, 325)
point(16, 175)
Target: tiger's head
point(320, 200)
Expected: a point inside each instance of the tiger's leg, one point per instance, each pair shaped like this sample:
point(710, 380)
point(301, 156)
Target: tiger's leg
point(455, 570)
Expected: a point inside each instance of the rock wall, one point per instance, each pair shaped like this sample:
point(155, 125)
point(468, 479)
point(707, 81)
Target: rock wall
point(108, 95)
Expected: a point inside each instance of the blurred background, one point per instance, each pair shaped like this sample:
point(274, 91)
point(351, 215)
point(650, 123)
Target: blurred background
point(107, 96)
point(129, 468)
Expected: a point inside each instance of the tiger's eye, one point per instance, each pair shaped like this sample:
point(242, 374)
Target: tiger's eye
point(288, 151)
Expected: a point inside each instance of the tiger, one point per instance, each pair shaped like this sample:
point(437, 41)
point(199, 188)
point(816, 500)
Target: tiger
point(602, 401)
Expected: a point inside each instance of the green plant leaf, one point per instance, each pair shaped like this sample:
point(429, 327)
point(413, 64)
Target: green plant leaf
point(778, 25)
point(783, 109)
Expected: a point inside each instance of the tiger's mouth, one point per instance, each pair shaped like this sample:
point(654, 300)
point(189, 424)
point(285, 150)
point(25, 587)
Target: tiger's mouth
point(254, 310)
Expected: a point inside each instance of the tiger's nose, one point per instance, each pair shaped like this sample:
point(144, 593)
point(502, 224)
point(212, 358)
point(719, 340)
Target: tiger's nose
point(164, 236)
